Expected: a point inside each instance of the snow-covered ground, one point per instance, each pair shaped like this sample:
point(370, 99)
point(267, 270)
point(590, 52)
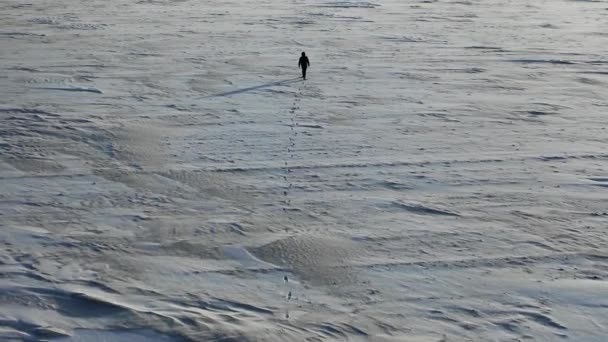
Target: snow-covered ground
point(441, 176)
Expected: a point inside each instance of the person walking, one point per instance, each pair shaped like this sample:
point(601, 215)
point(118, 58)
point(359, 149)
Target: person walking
point(304, 63)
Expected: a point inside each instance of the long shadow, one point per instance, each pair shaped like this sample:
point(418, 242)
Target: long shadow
point(266, 85)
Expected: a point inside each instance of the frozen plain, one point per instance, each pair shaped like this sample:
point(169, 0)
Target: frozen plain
point(441, 176)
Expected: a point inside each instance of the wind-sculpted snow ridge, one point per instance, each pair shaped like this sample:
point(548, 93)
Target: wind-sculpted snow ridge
point(167, 176)
point(349, 4)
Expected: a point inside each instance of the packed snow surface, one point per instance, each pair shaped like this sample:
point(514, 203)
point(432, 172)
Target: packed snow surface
point(165, 175)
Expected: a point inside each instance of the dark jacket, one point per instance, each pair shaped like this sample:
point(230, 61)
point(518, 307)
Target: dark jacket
point(304, 63)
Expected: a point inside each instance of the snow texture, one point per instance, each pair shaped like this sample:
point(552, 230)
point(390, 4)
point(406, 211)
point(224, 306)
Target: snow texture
point(165, 175)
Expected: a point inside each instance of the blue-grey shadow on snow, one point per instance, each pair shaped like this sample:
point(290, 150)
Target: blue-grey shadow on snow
point(261, 86)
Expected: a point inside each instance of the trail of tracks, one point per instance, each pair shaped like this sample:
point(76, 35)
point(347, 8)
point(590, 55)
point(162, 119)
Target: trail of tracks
point(291, 148)
point(287, 177)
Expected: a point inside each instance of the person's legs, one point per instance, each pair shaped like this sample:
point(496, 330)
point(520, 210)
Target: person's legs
point(304, 73)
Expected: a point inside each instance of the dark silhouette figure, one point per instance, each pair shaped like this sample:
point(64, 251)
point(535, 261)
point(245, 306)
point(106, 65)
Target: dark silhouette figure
point(304, 64)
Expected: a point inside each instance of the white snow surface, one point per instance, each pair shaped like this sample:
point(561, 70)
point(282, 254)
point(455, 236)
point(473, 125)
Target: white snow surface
point(441, 176)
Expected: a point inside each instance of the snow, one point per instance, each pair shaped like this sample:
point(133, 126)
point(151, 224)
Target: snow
point(440, 176)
